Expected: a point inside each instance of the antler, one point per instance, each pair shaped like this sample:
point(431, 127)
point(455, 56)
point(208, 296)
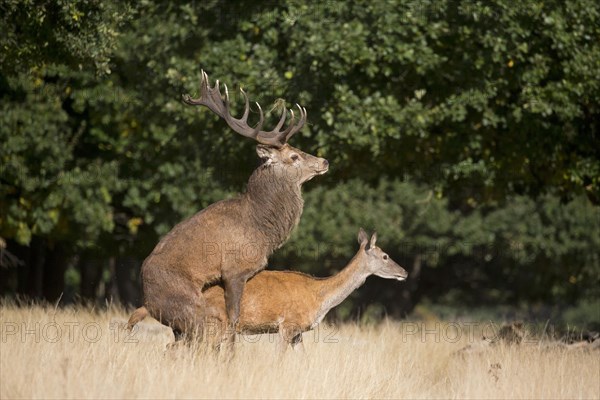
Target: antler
point(211, 97)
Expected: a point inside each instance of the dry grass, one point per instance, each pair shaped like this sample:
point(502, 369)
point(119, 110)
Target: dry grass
point(389, 361)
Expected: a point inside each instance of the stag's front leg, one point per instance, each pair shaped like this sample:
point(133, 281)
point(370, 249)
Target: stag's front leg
point(234, 289)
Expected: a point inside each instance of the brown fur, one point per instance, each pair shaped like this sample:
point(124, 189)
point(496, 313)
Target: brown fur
point(229, 241)
point(291, 302)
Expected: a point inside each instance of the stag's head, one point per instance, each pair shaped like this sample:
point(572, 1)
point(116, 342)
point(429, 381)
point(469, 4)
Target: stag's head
point(273, 148)
point(292, 164)
point(377, 261)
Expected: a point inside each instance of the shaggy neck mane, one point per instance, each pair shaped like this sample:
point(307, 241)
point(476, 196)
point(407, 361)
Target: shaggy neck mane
point(276, 204)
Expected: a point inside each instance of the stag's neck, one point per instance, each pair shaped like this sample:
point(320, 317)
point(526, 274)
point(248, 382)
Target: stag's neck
point(332, 291)
point(275, 204)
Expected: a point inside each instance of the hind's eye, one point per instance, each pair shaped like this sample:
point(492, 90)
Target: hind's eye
point(385, 257)
point(294, 157)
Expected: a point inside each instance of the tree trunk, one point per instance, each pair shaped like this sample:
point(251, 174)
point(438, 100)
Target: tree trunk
point(30, 274)
point(10, 267)
point(91, 273)
point(53, 276)
point(112, 292)
point(410, 286)
point(127, 274)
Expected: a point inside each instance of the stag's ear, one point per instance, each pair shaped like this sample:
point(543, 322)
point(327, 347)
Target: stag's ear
point(373, 240)
point(264, 152)
point(362, 237)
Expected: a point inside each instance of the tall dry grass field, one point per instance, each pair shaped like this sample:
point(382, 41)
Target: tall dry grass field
point(80, 353)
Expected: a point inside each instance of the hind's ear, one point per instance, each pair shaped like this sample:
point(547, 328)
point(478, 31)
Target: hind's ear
point(362, 237)
point(373, 240)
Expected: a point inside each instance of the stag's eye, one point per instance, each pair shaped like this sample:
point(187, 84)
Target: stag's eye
point(294, 157)
point(385, 257)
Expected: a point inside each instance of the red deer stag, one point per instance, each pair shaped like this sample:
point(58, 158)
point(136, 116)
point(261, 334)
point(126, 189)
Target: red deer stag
point(229, 241)
point(291, 302)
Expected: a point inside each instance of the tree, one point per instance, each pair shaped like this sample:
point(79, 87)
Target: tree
point(457, 119)
point(56, 193)
point(479, 99)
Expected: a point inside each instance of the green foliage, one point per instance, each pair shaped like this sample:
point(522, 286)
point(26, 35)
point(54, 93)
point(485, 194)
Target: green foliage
point(498, 97)
point(527, 251)
point(407, 219)
point(547, 250)
point(452, 128)
point(81, 34)
point(585, 313)
point(51, 185)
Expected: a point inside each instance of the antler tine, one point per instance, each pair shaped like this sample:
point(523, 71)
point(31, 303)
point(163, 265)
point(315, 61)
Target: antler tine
point(215, 93)
point(277, 134)
point(205, 84)
point(287, 131)
point(209, 96)
point(284, 136)
point(226, 102)
point(281, 120)
point(261, 120)
point(212, 98)
point(296, 128)
point(246, 107)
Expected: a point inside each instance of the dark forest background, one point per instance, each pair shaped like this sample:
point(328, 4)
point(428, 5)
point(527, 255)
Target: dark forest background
point(464, 132)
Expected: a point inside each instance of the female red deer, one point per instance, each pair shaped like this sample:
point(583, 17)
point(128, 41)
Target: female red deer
point(229, 241)
point(292, 302)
